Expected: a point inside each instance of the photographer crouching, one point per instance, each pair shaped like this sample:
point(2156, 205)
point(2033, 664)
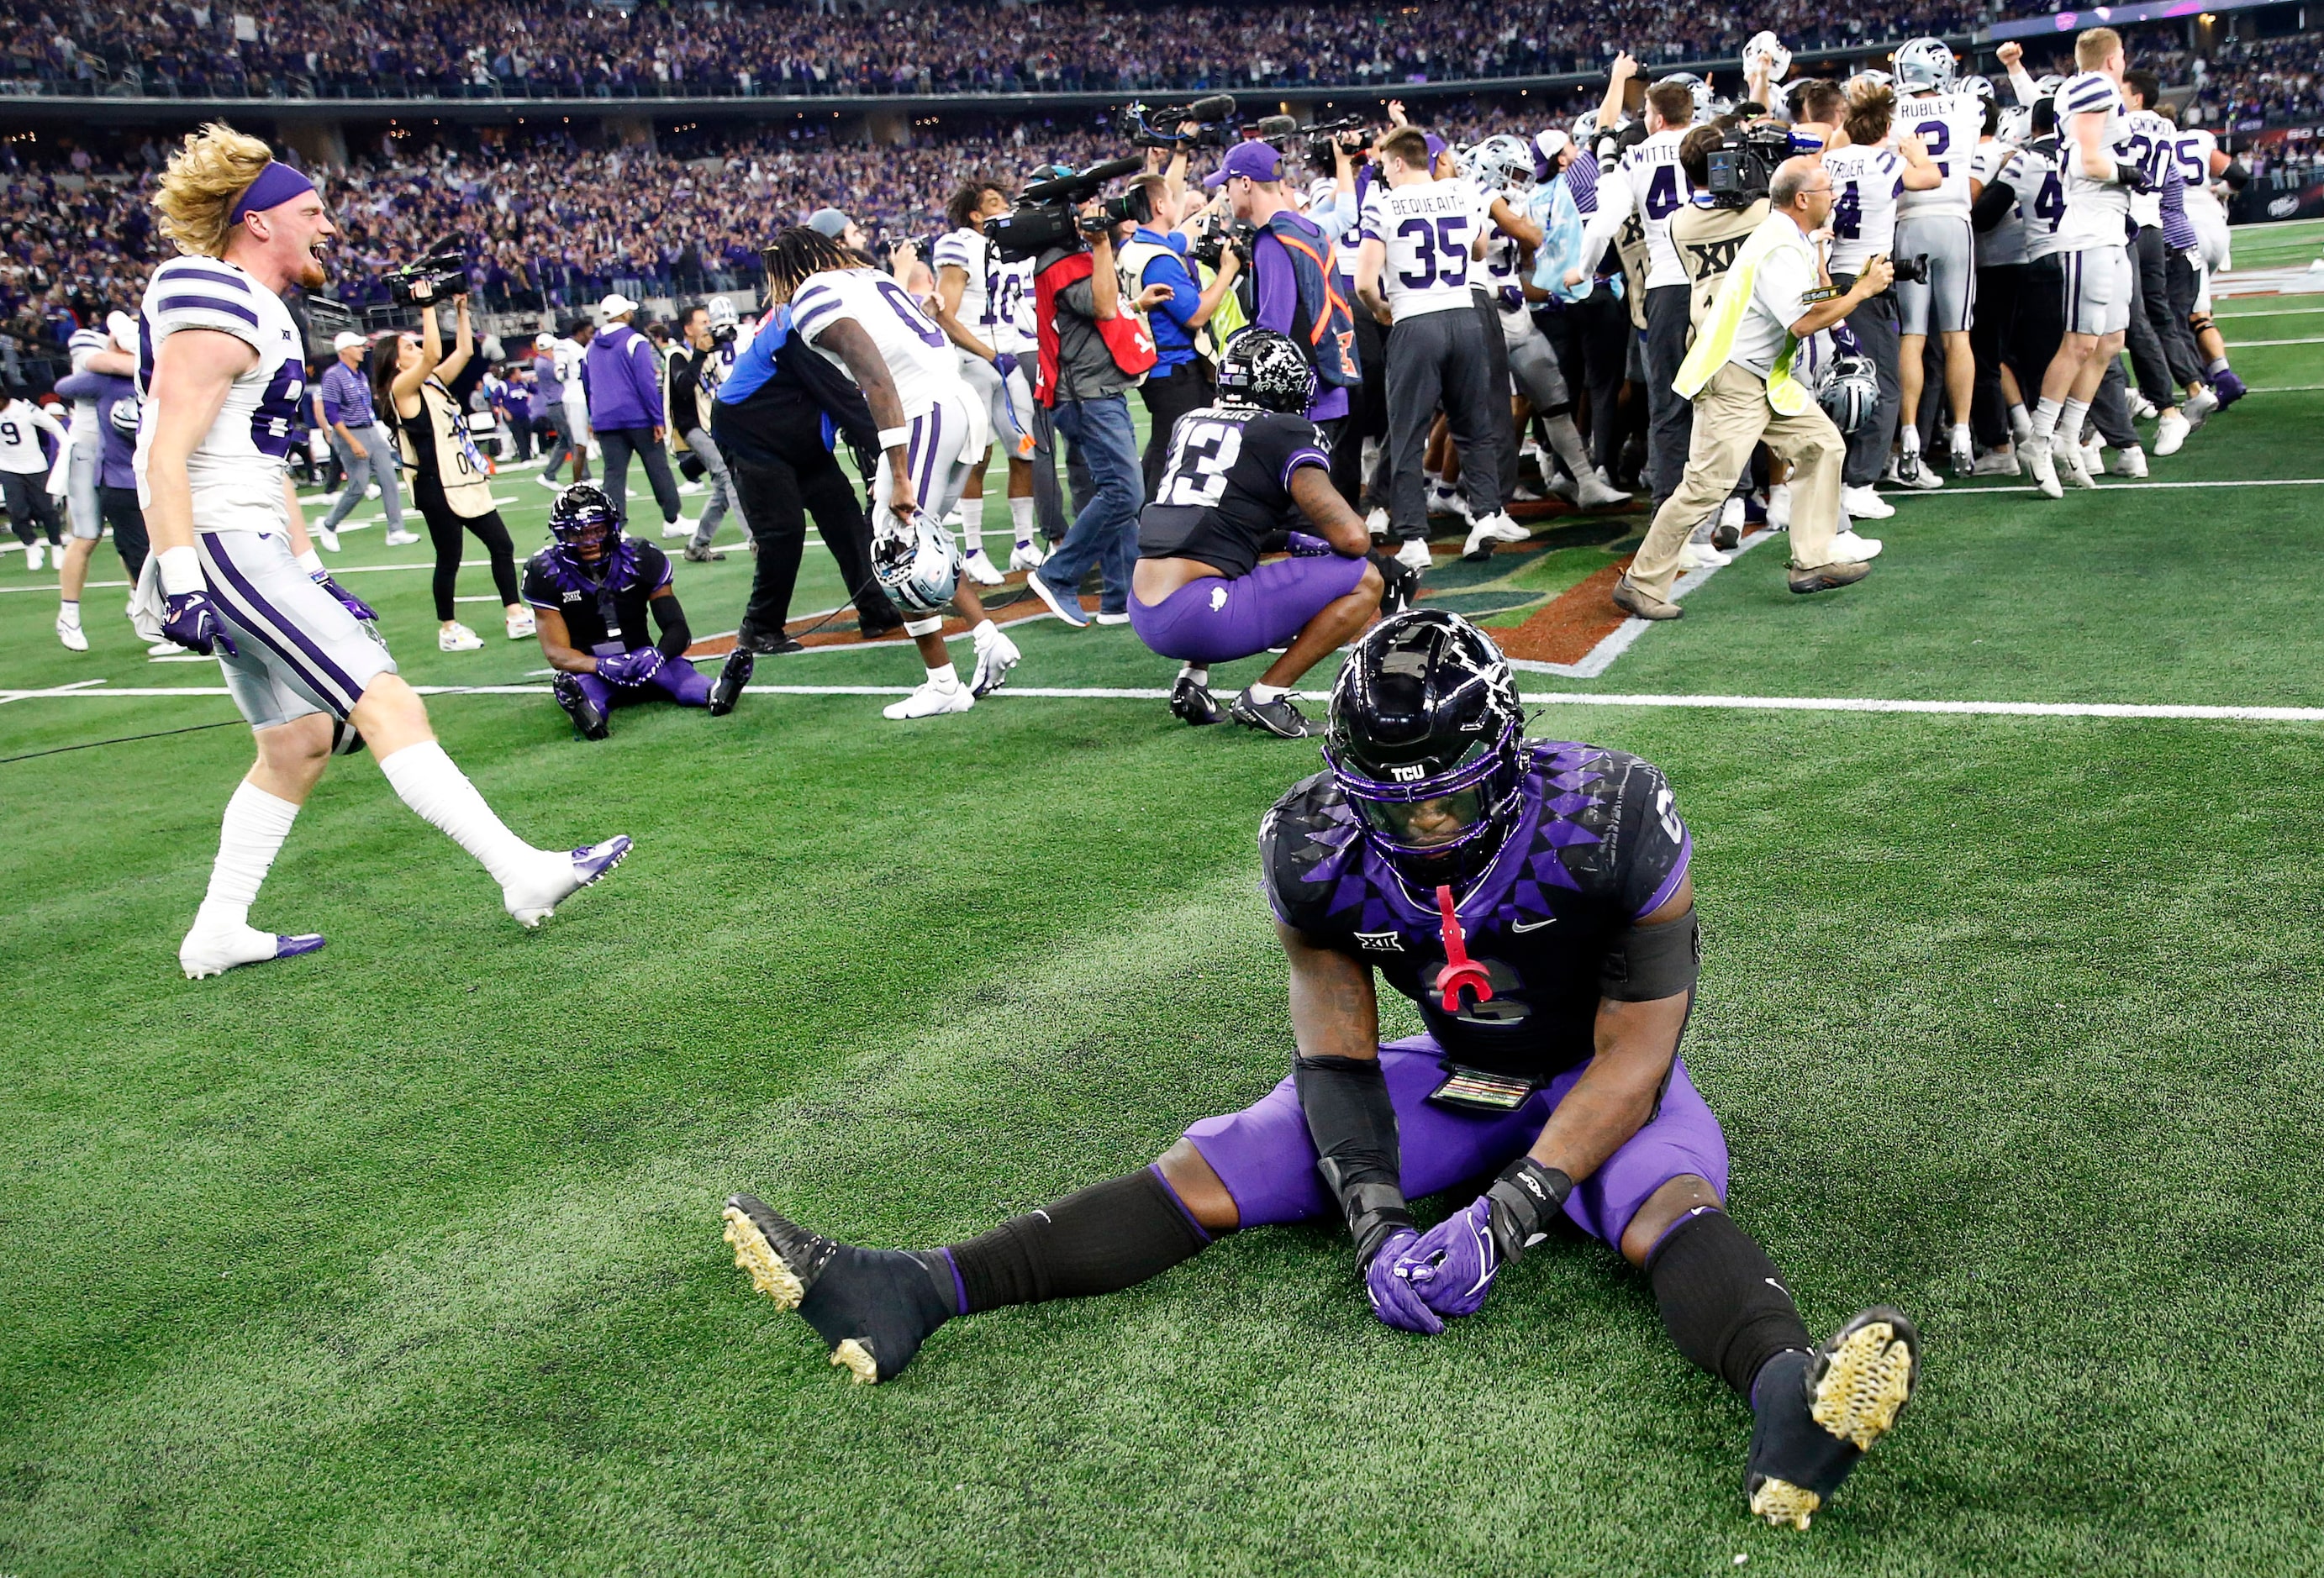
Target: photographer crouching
point(1740, 377)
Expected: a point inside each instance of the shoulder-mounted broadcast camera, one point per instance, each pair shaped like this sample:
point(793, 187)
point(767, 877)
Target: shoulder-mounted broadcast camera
point(1157, 126)
point(1744, 163)
point(1347, 132)
point(1215, 240)
point(445, 270)
point(1047, 216)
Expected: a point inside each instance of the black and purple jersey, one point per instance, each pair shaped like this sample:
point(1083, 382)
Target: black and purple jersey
point(1226, 488)
point(1597, 844)
point(603, 615)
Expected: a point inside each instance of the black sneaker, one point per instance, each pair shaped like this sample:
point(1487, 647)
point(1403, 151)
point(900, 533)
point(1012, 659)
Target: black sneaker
point(1818, 1413)
point(1281, 717)
point(727, 690)
point(694, 556)
point(874, 1307)
point(587, 722)
point(1192, 700)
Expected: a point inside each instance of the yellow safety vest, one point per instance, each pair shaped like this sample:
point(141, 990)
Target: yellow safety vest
point(1714, 337)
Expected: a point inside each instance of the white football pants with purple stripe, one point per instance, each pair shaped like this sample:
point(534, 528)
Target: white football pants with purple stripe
point(943, 444)
point(300, 651)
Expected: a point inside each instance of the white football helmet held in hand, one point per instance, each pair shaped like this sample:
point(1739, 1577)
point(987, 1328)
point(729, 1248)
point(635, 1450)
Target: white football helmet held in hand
point(916, 561)
point(1765, 46)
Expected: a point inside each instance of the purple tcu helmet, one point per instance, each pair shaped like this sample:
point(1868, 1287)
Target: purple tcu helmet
point(1262, 368)
point(582, 519)
point(1422, 741)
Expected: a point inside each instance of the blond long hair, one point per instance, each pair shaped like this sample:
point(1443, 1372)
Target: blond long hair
point(197, 191)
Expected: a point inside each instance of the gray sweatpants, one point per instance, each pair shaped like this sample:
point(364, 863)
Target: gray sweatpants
point(721, 489)
point(1440, 356)
point(375, 465)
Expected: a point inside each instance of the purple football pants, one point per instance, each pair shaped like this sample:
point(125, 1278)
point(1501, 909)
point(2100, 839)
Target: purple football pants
point(1267, 1163)
point(676, 679)
point(1217, 620)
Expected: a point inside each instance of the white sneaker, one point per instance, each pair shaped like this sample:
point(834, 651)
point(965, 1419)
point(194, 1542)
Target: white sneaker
point(561, 874)
point(930, 702)
point(689, 488)
point(396, 539)
point(2141, 409)
point(1779, 507)
point(31, 556)
point(994, 659)
point(2075, 470)
point(1592, 493)
point(326, 537)
point(2197, 406)
point(69, 631)
point(2127, 463)
point(551, 483)
point(1105, 618)
point(1848, 548)
point(1414, 554)
point(2094, 457)
point(1696, 555)
point(2171, 433)
point(1444, 500)
point(1864, 504)
point(1730, 514)
point(371, 491)
point(2042, 465)
point(1503, 528)
point(679, 527)
point(980, 568)
point(458, 639)
point(520, 625)
point(1376, 523)
point(1996, 463)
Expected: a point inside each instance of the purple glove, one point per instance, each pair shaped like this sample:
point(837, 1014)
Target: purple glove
point(347, 600)
point(630, 669)
point(1004, 363)
point(1307, 546)
point(1512, 298)
point(1393, 1298)
point(188, 620)
point(1452, 1267)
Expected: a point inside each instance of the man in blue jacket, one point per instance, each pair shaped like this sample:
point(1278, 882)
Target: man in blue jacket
point(1179, 380)
point(624, 378)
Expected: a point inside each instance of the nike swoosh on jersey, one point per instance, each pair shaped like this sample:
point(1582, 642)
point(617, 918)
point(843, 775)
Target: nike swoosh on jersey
point(1532, 926)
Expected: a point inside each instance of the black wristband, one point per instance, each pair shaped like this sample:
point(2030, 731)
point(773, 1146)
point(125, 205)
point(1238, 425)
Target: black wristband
point(1521, 1202)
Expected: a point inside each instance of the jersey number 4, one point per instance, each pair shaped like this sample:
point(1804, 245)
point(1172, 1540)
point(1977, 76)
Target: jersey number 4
point(1200, 458)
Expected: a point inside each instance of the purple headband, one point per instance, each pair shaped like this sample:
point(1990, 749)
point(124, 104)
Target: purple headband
point(276, 183)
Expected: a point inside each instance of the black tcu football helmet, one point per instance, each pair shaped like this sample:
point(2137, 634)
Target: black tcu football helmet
point(1262, 368)
point(1424, 742)
point(582, 519)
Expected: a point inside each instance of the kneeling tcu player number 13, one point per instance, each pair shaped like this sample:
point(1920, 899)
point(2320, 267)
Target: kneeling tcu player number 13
point(220, 372)
point(1533, 899)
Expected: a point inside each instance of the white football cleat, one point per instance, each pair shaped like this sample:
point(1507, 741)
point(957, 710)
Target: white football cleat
point(1864, 504)
point(981, 569)
point(1027, 554)
point(1444, 500)
point(1503, 528)
point(1910, 471)
point(931, 701)
point(562, 875)
point(1414, 554)
point(397, 539)
point(458, 639)
point(2042, 465)
point(2094, 457)
point(2127, 463)
point(1964, 459)
point(2171, 433)
point(1696, 555)
point(326, 537)
point(2075, 473)
point(994, 659)
point(520, 625)
point(69, 632)
point(1592, 493)
point(1997, 462)
point(1779, 507)
point(2197, 406)
point(1848, 548)
point(215, 952)
point(31, 555)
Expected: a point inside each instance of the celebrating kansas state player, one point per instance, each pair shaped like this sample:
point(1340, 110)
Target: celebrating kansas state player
point(590, 592)
point(1534, 899)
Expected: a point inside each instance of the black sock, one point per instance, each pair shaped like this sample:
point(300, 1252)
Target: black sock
point(1107, 1237)
point(1722, 1300)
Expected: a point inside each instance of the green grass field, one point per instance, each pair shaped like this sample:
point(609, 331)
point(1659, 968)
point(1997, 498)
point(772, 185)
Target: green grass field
point(405, 1257)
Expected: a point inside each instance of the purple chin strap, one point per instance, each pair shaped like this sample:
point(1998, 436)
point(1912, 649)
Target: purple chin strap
point(277, 184)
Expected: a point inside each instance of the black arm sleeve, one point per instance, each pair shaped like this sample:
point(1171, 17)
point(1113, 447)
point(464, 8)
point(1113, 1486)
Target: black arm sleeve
point(1992, 205)
point(675, 637)
point(2236, 175)
point(1353, 1126)
point(1648, 963)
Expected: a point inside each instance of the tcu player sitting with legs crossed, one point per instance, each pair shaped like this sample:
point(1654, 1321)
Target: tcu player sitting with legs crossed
point(590, 590)
point(220, 374)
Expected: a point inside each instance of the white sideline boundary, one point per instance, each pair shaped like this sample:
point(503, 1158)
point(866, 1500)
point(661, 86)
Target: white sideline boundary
point(86, 689)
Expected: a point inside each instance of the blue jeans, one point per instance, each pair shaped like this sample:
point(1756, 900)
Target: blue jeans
point(1105, 533)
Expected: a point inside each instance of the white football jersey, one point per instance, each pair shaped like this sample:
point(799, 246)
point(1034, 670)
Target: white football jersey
point(971, 251)
point(21, 423)
point(84, 344)
point(1427, 228)
point(2031, 173)
point(2146, 139)
point(2097, 213)
point(919, 358)
point(1646, 183)
point(1864, 186)
point(236, 470)
point(2005, 243)
point(1499, 270)
point(2193, 150)
point(1949, 124)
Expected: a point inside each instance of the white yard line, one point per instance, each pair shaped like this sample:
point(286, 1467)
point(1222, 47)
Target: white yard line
point(2263, 345)
point(2111, 482)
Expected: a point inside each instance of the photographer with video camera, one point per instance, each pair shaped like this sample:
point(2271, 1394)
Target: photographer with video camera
point(424, 394)
point(1742, 378)
point(1155, 254)
point(694, 370)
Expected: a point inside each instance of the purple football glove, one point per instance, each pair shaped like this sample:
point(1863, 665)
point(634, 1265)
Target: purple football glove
point(630, 669)
point(347, 600)
point(1004, 363)
point(1393, 1298)
point(188, 620)
point(1452, 1267)
point(1307, 546)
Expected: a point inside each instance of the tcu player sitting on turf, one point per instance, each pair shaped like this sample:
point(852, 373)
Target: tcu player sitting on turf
point(589, 591)
point(1533, 898)
point(1237, 473)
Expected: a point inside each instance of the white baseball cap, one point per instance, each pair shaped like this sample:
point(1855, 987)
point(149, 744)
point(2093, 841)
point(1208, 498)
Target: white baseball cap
point(615, 304)
point(347, 340)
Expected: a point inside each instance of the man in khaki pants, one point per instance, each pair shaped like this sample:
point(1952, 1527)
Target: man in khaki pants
point(1739, 377)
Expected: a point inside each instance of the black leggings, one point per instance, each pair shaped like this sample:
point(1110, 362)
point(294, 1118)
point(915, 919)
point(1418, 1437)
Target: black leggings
point(445, 530)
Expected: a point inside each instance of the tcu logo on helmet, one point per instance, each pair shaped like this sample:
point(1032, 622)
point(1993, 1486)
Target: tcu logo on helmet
point(1408, 774)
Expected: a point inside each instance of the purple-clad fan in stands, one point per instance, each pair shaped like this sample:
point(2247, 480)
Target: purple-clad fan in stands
point(591, 591)
point(1534, 900)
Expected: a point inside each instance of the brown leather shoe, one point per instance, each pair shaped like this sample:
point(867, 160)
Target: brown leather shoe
point(1826, 577)
point(1640, 603)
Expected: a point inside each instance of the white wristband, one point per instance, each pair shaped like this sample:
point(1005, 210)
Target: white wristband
point(311, 562)
point(895, 437)
point(181, 572)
